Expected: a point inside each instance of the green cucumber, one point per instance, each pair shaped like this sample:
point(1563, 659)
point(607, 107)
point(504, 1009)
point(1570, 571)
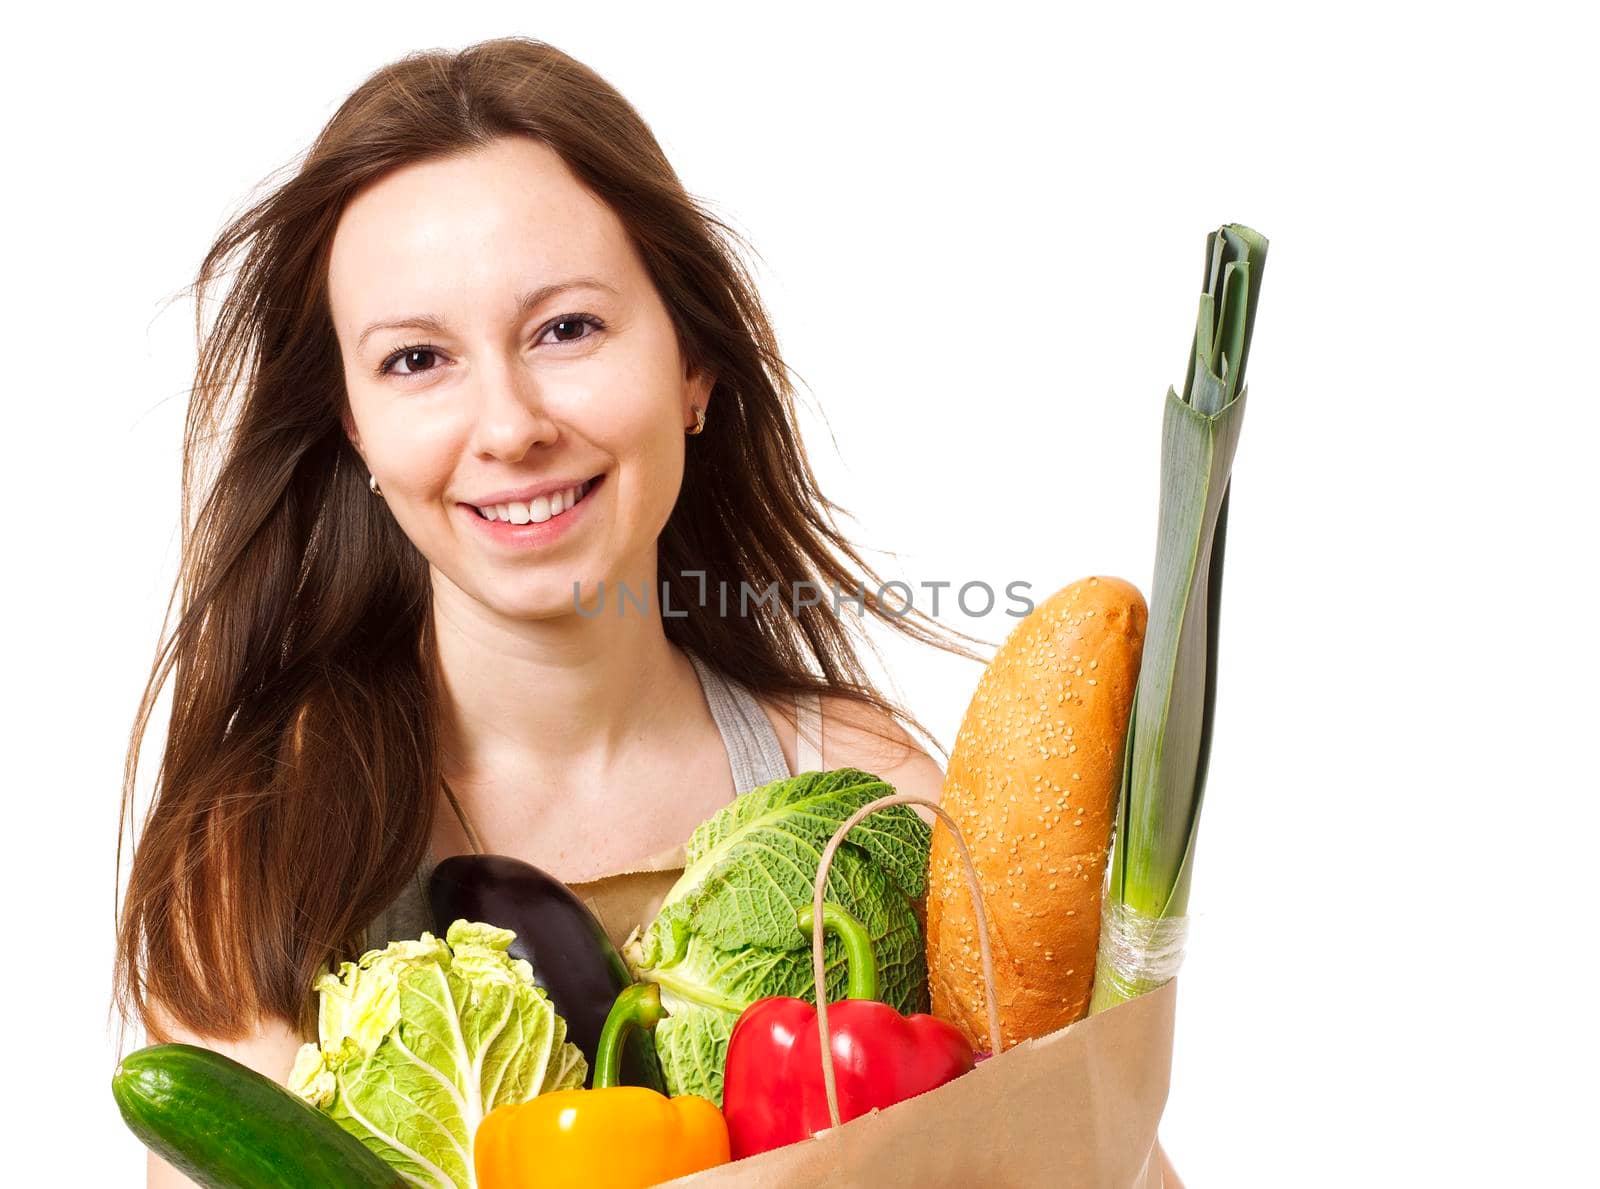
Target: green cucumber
point(226, 1126)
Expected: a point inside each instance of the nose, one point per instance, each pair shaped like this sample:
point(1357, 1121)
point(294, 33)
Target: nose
point(512, 416)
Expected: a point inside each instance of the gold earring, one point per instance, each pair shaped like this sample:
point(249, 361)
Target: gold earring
point(372, 484)
point(699, 420)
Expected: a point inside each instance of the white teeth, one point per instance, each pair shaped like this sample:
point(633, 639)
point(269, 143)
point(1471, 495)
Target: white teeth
point(540, 508)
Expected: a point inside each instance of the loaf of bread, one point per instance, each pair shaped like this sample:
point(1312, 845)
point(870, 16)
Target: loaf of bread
point(1032, 783)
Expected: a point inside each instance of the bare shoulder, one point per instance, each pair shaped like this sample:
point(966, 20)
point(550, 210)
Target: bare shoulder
point(857, 735)
point(269, 1045)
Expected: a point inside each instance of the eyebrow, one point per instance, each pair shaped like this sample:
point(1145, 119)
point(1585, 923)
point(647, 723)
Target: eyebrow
point(526, 302)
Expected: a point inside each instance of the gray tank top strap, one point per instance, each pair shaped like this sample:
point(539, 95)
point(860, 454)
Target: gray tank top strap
point(754, 754)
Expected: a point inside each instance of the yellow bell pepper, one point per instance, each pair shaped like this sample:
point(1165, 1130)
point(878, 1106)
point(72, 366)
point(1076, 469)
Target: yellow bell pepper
point(611, 1137)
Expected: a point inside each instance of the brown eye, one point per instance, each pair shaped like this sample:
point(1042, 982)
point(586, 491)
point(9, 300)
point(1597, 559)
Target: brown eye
point(409, 355)
point(567, 326)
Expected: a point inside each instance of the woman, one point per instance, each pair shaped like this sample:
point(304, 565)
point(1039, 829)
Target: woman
point(484, 363)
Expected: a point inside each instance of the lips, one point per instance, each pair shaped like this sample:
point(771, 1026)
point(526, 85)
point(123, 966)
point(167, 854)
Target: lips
point(537, 522)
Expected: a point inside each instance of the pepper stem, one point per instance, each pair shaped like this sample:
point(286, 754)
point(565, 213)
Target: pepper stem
point(861, 967)
point(638, 1006)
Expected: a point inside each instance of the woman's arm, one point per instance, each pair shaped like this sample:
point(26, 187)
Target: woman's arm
point(269, 1048)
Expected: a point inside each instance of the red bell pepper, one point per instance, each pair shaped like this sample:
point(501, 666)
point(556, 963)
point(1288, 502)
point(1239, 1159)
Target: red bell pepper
point(772, 1089)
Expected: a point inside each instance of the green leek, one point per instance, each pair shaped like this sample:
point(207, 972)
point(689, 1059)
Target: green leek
point(1146, 903)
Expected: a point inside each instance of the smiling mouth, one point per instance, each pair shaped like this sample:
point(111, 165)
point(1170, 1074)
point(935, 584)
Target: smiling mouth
point(540, 508)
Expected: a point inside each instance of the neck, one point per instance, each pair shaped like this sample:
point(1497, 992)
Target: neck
point(567, 693)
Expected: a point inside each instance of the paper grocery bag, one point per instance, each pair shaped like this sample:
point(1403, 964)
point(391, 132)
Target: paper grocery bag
point(1079, 1107)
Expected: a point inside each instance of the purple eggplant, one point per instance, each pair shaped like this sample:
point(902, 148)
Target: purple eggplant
point(572, 958)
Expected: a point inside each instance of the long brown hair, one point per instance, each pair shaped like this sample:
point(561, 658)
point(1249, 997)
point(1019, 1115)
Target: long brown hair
point(301, 765)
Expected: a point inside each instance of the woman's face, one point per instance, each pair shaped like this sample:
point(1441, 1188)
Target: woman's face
point(505, 350)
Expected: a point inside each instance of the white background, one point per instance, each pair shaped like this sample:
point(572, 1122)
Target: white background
point(981, 237)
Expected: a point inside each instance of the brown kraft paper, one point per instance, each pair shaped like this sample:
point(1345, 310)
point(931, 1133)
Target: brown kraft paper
point(1078, 1107)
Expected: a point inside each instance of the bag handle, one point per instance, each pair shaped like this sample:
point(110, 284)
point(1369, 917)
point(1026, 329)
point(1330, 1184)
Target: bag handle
point(818, 968)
